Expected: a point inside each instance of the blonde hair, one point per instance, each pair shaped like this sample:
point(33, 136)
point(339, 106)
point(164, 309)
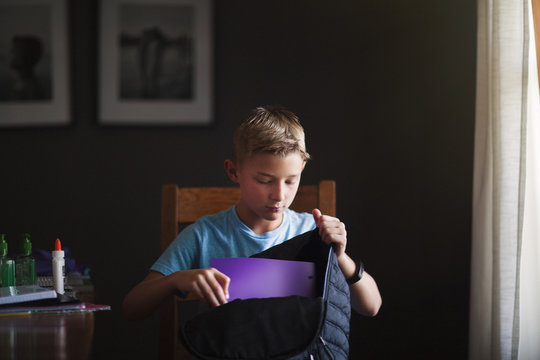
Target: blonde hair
point(271, 129)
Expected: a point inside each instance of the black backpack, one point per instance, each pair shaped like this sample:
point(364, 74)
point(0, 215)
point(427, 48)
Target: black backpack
point(292, 327)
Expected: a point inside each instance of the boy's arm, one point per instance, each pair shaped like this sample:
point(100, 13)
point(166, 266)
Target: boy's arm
point(365, 296)
point(145, 298)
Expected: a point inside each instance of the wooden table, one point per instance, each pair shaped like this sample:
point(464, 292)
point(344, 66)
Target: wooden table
point(47, 336)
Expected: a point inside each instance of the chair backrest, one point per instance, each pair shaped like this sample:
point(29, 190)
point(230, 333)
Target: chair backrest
point(181, 206)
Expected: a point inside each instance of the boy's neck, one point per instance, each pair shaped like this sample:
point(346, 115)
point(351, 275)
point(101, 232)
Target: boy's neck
point(257, 224)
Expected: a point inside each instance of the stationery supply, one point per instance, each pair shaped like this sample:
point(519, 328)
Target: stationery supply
point(33, 299)
point(263, 278)
point(58, 267)
point(25, 264)
point(7, 265)
point(24, 293)
point(19, 294)
point(44, 309)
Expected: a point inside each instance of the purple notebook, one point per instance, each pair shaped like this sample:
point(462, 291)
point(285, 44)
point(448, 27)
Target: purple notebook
point(262, 278)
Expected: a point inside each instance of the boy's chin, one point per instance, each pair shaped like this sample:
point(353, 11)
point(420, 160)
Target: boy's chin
point(273, 216)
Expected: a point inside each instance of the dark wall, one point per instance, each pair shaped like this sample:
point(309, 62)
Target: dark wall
point(386, 94)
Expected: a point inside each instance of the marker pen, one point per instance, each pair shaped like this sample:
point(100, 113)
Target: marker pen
point(58, 267)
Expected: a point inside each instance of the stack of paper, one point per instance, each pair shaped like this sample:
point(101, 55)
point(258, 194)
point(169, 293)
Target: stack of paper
point(35, 299)
point(18, 294)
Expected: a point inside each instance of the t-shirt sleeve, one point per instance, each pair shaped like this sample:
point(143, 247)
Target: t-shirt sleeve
point(182, 253)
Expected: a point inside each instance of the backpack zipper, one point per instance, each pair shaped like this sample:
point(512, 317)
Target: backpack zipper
point(326, 348)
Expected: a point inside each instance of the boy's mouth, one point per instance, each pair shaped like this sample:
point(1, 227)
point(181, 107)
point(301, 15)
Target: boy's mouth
point(274, 208)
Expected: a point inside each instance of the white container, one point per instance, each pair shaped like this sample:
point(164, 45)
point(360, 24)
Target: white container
point(58, 268)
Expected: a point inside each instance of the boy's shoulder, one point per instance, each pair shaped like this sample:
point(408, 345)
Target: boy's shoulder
point(217, 220)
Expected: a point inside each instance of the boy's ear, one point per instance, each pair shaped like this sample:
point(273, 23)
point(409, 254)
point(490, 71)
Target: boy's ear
point(231, 170)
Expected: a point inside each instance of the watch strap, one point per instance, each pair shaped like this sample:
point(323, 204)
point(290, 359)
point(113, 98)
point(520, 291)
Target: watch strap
point(358, 272)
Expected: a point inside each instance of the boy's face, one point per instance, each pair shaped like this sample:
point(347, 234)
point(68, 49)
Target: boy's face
point(268, 184)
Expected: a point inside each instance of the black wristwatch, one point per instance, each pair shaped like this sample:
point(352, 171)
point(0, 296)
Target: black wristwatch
point(358, 273)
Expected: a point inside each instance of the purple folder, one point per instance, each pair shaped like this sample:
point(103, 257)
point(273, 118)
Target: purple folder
point(261, 278)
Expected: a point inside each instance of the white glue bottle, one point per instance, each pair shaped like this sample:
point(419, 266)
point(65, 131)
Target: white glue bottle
point(58, 267)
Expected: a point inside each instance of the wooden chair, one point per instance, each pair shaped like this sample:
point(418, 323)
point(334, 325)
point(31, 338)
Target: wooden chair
point(182, 206)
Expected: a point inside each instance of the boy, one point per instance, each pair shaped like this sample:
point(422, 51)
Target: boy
point(269, 155)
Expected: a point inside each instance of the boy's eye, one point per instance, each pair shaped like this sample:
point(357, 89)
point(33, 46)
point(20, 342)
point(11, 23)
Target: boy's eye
point(267, 181)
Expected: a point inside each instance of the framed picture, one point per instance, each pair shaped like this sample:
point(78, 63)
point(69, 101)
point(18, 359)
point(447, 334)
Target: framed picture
point(155, 62)
point(33, 63)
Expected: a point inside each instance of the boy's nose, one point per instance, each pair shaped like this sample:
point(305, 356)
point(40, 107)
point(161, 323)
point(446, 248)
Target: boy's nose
point(278, 193)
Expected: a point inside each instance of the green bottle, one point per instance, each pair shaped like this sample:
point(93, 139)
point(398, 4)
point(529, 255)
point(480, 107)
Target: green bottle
point(7, 265)
point(25, 265)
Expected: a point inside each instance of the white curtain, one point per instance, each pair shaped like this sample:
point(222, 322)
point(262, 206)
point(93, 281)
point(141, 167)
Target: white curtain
point(529, 341)
point(505, 270)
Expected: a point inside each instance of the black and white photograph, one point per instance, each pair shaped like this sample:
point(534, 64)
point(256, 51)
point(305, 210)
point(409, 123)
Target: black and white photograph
point(155, 57)
point(33, 68)
point(25, 53)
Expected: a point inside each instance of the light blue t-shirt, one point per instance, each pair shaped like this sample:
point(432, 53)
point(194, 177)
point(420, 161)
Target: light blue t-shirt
point(225, 235)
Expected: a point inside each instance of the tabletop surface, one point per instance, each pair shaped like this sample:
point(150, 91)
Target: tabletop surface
point(65, 335)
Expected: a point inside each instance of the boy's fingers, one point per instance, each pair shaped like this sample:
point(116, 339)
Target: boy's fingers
point(217, 280)
point(317, 216)
point(208, 285)
point(224, 281)
point(204, 293)
point(208, 293)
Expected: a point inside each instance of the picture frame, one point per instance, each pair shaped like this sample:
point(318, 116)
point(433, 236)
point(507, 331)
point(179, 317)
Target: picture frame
point(155, 62)
point(34, 66)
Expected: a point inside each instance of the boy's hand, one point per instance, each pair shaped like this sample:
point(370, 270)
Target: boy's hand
point(332, 231)
point(209, 284)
